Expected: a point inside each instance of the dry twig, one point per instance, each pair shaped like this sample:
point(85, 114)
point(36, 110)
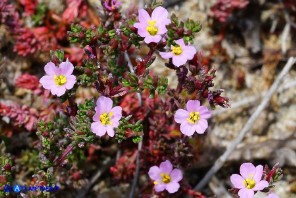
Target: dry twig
point(219, 163)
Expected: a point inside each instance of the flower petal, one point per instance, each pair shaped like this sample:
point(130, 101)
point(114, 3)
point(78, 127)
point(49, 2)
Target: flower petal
point(154, 173)
point(159, 14)
point(180, 42)
point(104, 105)
point(166, 167)
point(47, 82)
point(150, 39)
point(205, 113)
point(110, 131)
point(247, 169)
point(172, 187)
point(50, 68)
point(166, 55)
point(159, 187)
point(71, 80)
point(261, 185)
point(66, 68)
point(258, 174)
point(117, 112)
point(60, 90)
point(246, 193)
point(201, 126)
point(179, 60)
point(144, 17)
point(237, 181)
point(181, 115)
point(193, 105)
point(98, 128)
point(187, 129)
point(142, 31)
point(176, 175)
point(189, 52)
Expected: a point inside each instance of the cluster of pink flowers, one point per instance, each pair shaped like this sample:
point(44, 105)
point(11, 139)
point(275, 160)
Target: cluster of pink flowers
point(153, 29)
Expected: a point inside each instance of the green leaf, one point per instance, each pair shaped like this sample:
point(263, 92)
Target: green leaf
point(137, 139)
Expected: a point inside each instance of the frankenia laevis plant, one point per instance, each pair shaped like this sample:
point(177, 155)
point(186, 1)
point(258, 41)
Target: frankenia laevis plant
point(180, 53)
point(152, 27)
point(249, 181)
point(58, 79)
point(193, 119)
point(165, 177)
point(106, 118)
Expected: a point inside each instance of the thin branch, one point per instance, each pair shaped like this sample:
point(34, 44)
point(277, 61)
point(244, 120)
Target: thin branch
point(219, 163)
point(94, 179)
point(249, 100)
point(135, 180)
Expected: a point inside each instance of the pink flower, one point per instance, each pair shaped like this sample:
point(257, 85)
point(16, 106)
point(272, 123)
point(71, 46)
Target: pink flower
point(152, 28)
point(113, 5)
point(106, 118)
point(272, 195)
point(180, 53)
point(58, 79)
point(193, 118)
point(165, 177)
point(249, 181)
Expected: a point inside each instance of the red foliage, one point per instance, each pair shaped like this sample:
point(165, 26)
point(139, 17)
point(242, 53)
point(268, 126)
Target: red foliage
point(30, 6)
point(222, 9)
point(27, 81)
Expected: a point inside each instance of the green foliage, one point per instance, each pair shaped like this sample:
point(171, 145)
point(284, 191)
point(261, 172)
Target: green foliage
point(40, 14)
point(125, 126)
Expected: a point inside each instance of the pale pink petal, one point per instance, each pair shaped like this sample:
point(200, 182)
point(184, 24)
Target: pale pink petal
point(96, 117)
point(199, 129)
point(181, 115)
point(71, 80)
point(47, 82)
point(98, 128)
point(189, 52)
point(143, 32)
point(204, 112)
point(60, 91)
point(162, 29)
point(247, 169)
point(258, 174)
point(159, 13)
point(154, 173)
point(237, 181)
point(272, 195)
point(66, 68)
point(172, 187)
point(261, 185)
point(159, 187)
point(144, 17)
point(176, 175)
point(179, 60)
point(150, 39)
point(246, 193)
point(104, 104)
point(187, 129)
point(117, 111)
point(193, 105)
point(166, 55)
point(115, 123)
point(50, 68)
point(202, 126)
point(166, 167)
point(180, 42)
point(110, 131)
point(54, 90)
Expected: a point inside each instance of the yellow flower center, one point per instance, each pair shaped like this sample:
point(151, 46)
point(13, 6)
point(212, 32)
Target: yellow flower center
point(166, 178)
point(151, 28)
point(249, 182)
point(105, 118)
point(193, 117)
point(177, 50)
point(59, 80)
